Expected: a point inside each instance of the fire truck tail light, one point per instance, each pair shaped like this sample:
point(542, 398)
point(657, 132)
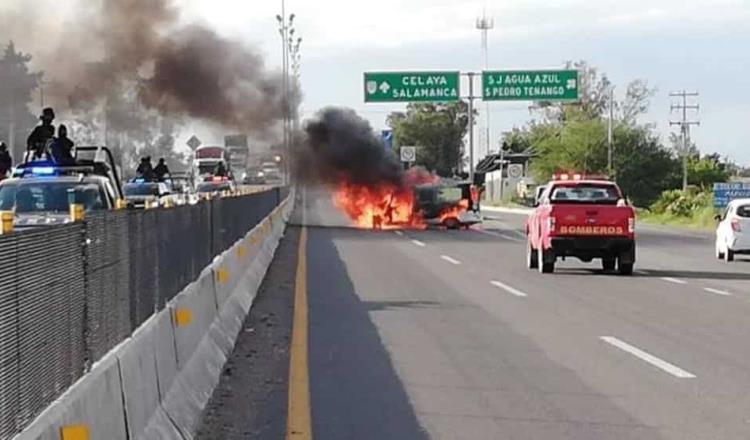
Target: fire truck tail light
point(551, 224)
point(631, 225)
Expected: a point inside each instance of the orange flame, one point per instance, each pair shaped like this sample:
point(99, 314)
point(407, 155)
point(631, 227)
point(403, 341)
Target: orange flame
point(384, 206)
point(389, 206)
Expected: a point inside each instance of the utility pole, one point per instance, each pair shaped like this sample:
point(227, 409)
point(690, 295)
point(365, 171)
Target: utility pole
point(684, 124)
point(610, 170)
point(471, 125)
point(485, 24)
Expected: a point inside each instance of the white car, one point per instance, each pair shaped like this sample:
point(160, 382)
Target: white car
point(733, 232)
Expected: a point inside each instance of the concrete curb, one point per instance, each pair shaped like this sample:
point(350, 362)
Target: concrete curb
point(156, 384)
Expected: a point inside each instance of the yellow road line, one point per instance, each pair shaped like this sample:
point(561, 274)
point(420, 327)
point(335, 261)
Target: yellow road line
point(299, 423)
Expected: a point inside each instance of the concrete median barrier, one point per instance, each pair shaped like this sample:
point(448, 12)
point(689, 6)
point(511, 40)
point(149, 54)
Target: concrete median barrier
point(139, 370)
point(156, 384)
point(91, 409)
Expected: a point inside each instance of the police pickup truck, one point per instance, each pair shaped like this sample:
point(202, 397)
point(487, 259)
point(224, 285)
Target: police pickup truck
point(41, 192)
point(583, 218)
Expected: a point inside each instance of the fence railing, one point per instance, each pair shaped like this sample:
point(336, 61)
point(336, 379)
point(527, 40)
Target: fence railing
point(70, 293)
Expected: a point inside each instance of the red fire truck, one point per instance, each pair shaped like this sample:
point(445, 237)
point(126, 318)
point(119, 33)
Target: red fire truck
point(584, 218)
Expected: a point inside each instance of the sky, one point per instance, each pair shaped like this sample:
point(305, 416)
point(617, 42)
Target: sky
point(673, 44)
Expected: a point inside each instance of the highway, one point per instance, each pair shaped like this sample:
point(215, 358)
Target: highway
point(446, 335)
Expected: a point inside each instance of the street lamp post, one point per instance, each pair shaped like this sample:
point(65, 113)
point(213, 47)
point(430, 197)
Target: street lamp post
point(290, 65)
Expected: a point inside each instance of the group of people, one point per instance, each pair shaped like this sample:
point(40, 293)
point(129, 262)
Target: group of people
point(42, 140)
point(151, 173)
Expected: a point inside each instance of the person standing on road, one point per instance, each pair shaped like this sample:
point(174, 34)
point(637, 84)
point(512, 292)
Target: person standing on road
point(62, 147)
point(6, 162)
point(42, 134)
point(161, 170)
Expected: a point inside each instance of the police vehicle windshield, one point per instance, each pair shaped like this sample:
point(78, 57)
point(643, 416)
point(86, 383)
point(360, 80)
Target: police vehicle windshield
point(53, 196)
point(141, 189)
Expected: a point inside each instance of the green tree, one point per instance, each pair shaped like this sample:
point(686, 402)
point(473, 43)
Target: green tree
point(704, 172)
point(17, 86)
point(437, 129)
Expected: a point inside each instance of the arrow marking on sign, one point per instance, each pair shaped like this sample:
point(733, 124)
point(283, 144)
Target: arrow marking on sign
point(384, 87)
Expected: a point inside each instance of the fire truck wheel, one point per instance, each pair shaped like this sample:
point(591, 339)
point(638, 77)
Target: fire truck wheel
point(531, 257)
point(625, 268)
point(547, 266)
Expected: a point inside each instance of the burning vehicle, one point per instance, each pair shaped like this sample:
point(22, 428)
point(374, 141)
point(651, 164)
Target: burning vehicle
point(369, 184)
point(423, 201)
point(452, 204)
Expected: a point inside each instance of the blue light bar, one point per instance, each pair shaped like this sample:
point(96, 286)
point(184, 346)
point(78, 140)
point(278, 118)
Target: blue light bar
point(140, 180)
point(43, 171)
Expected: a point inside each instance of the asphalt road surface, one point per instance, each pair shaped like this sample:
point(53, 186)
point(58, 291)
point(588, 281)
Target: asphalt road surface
point(446, 335)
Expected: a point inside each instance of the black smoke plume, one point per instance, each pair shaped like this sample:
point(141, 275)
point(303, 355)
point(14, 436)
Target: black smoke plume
point(140, 48)
point(341, 147)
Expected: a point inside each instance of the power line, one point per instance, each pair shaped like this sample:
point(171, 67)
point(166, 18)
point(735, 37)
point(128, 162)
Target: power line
point(684, 123)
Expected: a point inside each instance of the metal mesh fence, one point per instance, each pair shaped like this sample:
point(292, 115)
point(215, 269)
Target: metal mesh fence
point(9, 368)
point(50, 320)
point(70, 293)
point(107, 281)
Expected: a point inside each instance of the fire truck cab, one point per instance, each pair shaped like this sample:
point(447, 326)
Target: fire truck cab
point(583, 218)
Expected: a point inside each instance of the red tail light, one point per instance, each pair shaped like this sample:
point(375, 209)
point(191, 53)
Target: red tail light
point(736, 225)
point(551, 224)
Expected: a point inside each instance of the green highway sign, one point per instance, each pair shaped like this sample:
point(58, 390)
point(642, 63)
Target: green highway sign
point(411, 86)
point(531, 85)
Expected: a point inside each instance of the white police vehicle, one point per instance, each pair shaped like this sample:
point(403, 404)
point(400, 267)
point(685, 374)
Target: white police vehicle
point(138, 192)
point(40, 192)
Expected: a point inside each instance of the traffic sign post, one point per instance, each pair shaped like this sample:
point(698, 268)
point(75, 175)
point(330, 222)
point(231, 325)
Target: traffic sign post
point(506, 85)
point(726, 192)
point(408, 154)
point(194, 142)
point(515, 171)
point(530, 85)
point(411, 86)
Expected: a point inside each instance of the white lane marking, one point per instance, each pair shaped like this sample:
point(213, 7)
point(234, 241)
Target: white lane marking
point(717, 291)
point(498, 234)
point(399, 233)
point(418, 243)
point(674, 280)
point(450, 260)
point(651, 359)
point(509, 289)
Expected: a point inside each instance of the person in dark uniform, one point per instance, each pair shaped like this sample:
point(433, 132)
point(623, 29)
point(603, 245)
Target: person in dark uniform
point(6, 162)
point(161, 170)
point(42, 134)
point(220, 170)
point(145, 170)
point(62, 147)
